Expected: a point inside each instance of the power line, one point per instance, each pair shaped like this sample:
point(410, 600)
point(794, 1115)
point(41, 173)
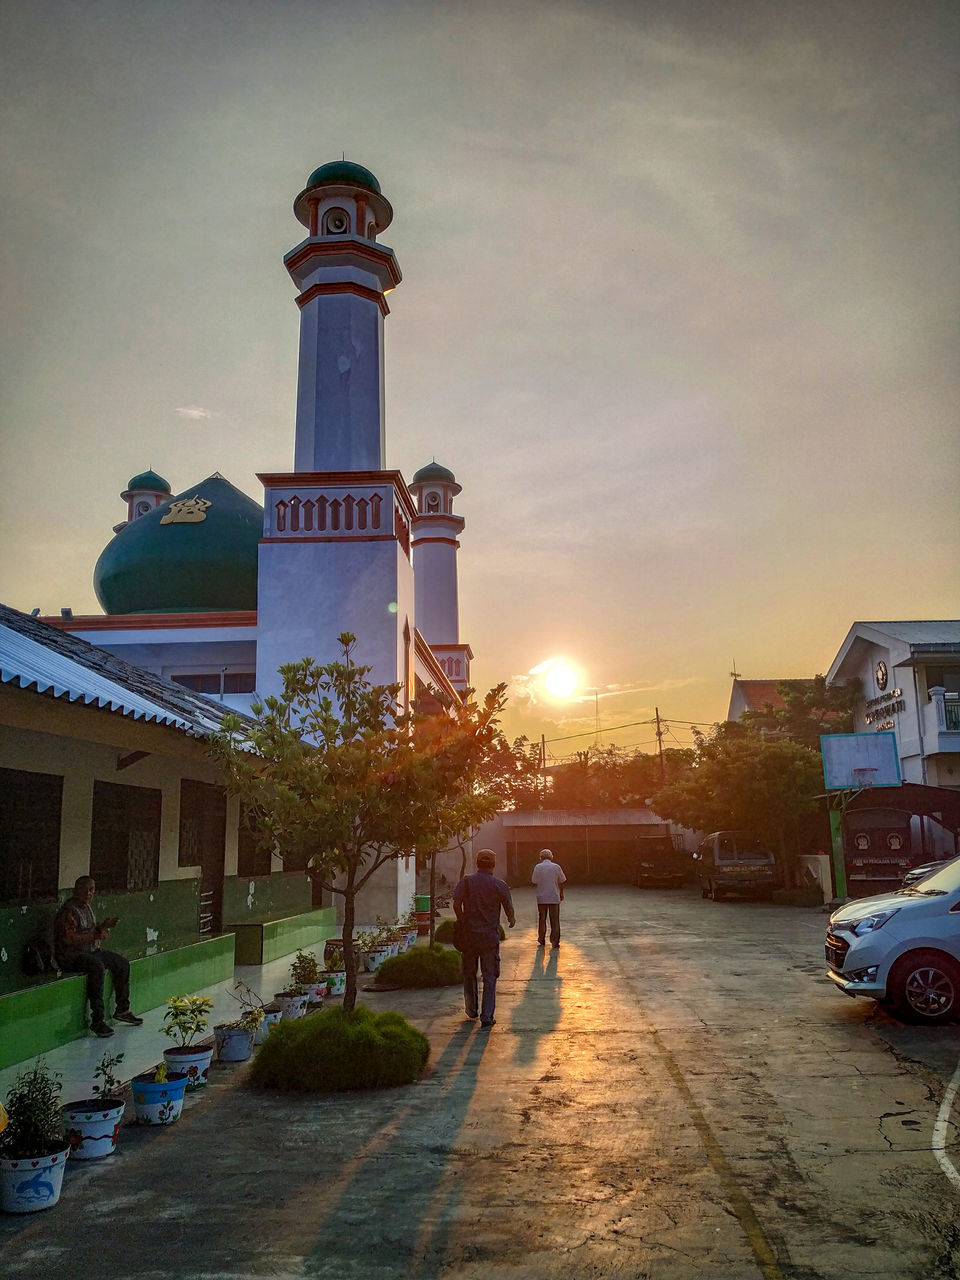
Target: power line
point(588, 733)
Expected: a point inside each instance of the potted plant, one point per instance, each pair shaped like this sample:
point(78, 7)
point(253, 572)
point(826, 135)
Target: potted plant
point(158, 1095)
point(234, 1040)
point(184, 1020)
point(336, 969)
point(307, 974)
point(93, 1124)
point(373, 950)
point(33, 1150)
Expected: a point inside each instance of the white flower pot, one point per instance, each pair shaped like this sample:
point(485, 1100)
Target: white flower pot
point(314, 991)
point(92, 1127)
point(338, 982)
point(269, 1020)
point(291, 1005)
point(31, 1183)
point(193, 1061)
point(234, 1044)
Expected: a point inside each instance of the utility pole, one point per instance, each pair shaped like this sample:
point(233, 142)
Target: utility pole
point(660, 745)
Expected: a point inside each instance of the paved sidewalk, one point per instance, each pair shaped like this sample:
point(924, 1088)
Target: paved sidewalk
point(677, 1093)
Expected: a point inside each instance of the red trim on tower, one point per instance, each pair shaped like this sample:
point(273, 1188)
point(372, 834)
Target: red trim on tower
point(321, 479)
point(343, 286)
point(361, 227)
point(347, 537)
point(153, 621)
point(340, 246)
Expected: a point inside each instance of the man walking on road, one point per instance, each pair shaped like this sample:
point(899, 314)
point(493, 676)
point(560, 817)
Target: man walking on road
point(549, 878)
point(477, 900)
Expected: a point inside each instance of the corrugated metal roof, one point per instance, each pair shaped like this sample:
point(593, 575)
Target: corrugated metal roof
point(582, 818)
point(35, 656)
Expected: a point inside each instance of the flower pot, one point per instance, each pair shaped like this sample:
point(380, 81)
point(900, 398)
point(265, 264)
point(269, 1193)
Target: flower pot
point(315, 991)
point(338, 982)
point(193, 1060)
point(423, 923)
point(412, 935)
point(92, 1127)
point(31, 1183)
point(158, 1102)
point(270, 1019)
point(374, 958)
point(292, 1003)
point(234, 1044)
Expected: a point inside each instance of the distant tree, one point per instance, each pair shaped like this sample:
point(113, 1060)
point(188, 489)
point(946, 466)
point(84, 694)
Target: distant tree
point(610, 778)
point(811, 708)
point(339, 782)
point(740, 780)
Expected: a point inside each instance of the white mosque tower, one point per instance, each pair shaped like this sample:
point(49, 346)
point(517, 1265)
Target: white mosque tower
point(435, 544)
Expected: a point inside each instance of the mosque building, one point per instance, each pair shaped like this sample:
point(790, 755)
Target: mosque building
point(209, 589)
point(214, 591)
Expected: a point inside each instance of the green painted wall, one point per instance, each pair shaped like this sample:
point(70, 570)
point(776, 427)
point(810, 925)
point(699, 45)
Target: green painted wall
point(246, 899)
point(52, 1011)
point(261, 942)
point(152, 921)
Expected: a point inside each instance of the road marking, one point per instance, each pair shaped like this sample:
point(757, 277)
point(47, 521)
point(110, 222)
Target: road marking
point(742, 1209)
point(938, 1142)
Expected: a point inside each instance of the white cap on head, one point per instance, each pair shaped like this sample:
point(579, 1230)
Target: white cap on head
point(545, 853)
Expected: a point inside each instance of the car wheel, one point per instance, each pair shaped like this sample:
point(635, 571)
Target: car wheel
point(925, 987)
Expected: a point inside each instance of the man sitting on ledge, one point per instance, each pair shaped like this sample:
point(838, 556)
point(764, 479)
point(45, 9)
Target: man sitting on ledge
point(77, 946)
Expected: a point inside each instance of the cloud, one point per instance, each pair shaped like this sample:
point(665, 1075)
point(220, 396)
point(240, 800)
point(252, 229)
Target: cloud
point(193, 412)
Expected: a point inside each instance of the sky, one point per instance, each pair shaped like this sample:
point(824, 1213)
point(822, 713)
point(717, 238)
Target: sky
point(679, 309)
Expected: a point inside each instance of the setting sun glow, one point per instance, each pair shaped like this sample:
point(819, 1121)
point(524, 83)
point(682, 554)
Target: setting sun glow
point(560, 680)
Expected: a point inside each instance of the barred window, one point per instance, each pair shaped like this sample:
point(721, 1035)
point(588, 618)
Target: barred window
point(125, 837)
point(29, 835)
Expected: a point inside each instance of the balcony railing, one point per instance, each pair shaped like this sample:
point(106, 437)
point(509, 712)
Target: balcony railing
point(951, 710)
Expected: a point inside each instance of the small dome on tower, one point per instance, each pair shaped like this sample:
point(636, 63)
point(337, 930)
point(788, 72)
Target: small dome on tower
point(344, 171)
point(148, 482)
point(433, 471)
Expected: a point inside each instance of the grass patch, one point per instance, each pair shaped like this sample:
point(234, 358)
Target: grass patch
point(336, 1050)
point(435, 966)
point(444, 931)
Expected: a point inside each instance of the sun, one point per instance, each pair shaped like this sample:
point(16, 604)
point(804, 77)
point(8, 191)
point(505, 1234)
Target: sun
point(560, 680)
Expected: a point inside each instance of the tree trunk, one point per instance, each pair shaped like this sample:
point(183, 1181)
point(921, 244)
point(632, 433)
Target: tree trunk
point(349, 955)
point(433, 892)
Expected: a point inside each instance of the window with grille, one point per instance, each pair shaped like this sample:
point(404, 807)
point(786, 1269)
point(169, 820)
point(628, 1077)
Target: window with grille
point(203, 811)
point(29, 835)
point(252, 858)
point(125, 837)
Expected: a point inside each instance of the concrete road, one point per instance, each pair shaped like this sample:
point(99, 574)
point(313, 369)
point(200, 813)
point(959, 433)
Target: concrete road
point(676, 1093)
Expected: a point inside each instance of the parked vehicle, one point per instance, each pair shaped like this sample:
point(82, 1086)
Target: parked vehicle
point(925, 869)
point(735, 862)
point(902, 948)
point(659, 864)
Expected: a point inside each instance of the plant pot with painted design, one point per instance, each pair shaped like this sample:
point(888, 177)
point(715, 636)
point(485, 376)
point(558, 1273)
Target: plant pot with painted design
point(93, 1124)
point(158, 1095)
point(272, 1013)
point(184, 1022)
point(292, 1004)
point(235, 1040)
point(33, 1150)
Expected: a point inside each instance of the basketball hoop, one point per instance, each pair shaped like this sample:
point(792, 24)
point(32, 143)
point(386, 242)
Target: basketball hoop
point(864, 777)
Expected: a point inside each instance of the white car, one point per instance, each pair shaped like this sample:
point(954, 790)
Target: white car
point(902, 948)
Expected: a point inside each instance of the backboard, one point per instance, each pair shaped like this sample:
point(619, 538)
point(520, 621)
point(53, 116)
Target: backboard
point(852, 761)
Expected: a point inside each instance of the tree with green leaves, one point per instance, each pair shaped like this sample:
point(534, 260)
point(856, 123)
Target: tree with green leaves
point(610, 778)
point(810, 708)
point(739, 780)
point(339, 781)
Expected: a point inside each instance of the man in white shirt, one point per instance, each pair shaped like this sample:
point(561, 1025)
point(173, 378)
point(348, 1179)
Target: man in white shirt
point(549, 878)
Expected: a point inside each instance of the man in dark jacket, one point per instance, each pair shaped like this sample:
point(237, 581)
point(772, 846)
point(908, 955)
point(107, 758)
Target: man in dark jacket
point(477, 901)
point(77, 946)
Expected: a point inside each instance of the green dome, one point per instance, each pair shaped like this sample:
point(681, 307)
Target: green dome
point(185, 566)
point(344, 171)
point(149, 482)
point(434, 471)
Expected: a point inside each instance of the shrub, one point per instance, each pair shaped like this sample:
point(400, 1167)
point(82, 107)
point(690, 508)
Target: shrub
point(444, 931)
point(340, 1049)
point(435, 966)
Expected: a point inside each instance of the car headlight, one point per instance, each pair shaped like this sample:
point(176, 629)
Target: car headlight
point(876, 921)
